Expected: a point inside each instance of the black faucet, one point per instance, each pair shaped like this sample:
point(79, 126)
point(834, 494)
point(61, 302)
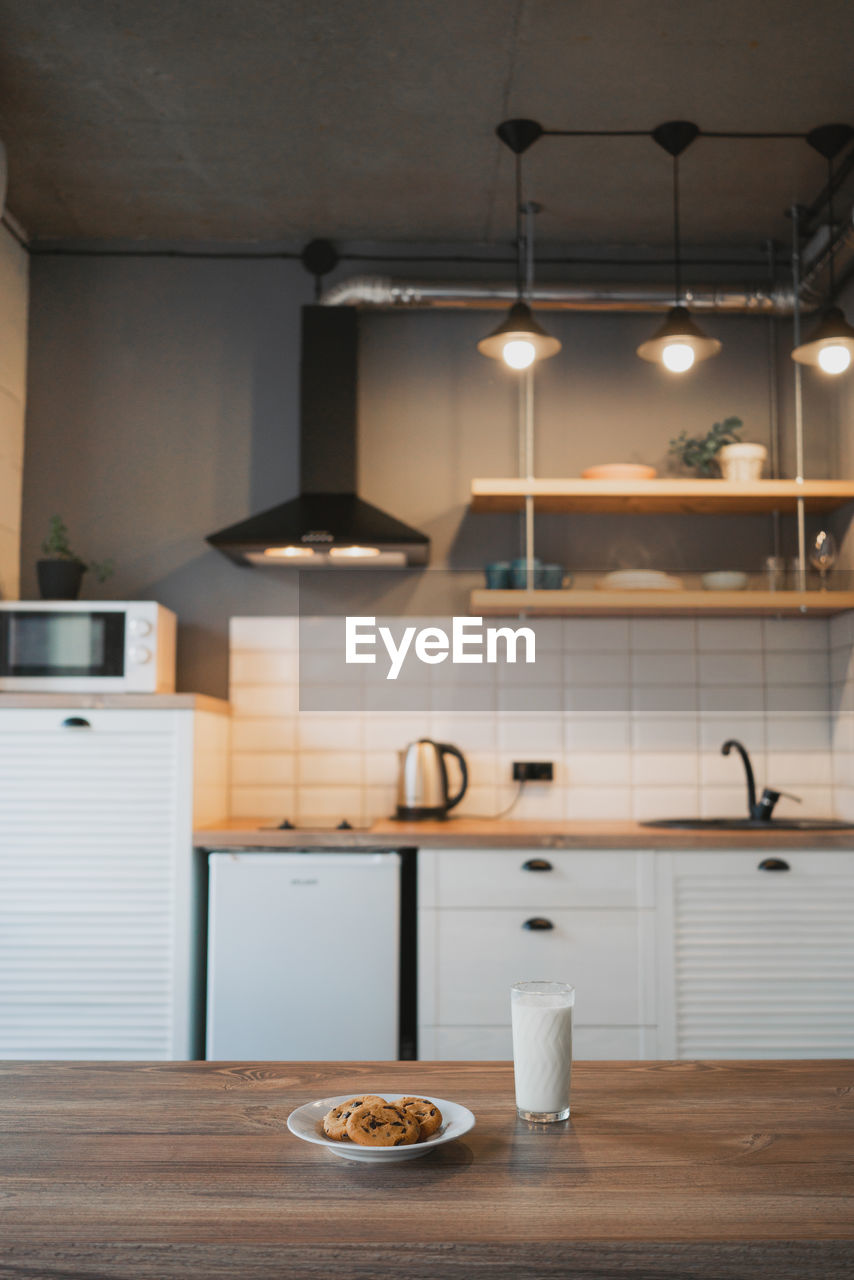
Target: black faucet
point(761, 810)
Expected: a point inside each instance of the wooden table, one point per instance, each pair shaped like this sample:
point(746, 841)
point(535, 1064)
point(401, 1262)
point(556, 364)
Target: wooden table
point(668, 1169)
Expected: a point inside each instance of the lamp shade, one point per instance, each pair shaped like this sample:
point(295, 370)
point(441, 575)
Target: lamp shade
point(678, 332)
point(830, 343)
point(519, 327)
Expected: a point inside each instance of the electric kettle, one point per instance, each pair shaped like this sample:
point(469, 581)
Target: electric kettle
point(422, 789)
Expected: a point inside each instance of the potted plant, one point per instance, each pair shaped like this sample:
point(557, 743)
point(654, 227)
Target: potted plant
point(60, 572)
point(700, 453)
point(739, 461)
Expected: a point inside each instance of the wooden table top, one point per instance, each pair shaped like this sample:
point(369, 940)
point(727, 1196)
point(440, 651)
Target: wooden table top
point(158, 1171)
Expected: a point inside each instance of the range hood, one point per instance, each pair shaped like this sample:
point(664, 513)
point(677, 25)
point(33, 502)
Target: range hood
point(328, 525)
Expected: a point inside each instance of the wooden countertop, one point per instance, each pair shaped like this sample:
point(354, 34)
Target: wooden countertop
point(668, 1169)
point(118, 701)
point(471, 833)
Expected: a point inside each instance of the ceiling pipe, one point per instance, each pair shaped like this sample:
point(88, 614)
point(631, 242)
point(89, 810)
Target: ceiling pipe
point(384, 292)
point(738, 299)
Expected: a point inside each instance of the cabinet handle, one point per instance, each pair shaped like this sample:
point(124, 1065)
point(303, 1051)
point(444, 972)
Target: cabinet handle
point(773, 864)
point(537, 923)
point(537, 864)
point(76, 722)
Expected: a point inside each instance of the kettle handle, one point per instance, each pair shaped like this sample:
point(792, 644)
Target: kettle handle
point(447, 750)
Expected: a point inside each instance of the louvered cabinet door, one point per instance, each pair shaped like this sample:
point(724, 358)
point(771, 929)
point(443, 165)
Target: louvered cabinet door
point(90, 815)
point(756, 954)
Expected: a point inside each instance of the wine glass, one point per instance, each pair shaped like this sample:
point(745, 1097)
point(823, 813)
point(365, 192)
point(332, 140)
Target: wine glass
point(823, 555)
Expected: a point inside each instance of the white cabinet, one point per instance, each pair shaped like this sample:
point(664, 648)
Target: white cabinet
point(489, 918)
point(756, 954)
point(97, 946)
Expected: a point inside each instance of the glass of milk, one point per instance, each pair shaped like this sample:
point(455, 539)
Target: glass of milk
point(541, 1014)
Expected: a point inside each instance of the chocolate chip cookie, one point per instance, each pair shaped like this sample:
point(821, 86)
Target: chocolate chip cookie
point(427, 1114)
point(379, 1124)
point(335, 1121)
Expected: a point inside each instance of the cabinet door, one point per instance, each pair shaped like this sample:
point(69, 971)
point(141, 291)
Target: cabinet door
point(756, 960)
point(480, 954)
point(526, 877)
point(496, 1043)
point(93, 816)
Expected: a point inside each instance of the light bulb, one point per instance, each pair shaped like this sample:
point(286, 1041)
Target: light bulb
point(834, 359)
point(677, 357)
point(288, 553)
point(519, 353)
point(353, 553)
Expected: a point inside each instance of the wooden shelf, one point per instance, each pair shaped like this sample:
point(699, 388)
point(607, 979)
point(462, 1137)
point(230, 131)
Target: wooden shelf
point(583, 602)
point(651, 497)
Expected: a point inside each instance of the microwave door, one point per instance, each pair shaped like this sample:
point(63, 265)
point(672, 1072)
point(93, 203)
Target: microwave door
point(38, 647)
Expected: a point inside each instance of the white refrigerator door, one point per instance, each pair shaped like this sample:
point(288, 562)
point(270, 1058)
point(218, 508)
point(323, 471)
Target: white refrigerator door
point(303, 956)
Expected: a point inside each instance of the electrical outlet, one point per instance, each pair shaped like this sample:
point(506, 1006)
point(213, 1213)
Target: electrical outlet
point(533, 771)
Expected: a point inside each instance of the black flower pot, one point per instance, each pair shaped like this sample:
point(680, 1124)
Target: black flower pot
point(60, 579)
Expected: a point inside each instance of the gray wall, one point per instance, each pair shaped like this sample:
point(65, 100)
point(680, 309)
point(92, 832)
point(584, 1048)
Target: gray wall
point(162, 405)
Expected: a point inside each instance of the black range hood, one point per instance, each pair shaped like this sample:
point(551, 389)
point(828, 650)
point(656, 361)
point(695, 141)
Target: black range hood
point(328, 525)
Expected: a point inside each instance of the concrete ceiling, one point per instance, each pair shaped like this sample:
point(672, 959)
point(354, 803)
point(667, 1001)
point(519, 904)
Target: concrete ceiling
point(373, 121)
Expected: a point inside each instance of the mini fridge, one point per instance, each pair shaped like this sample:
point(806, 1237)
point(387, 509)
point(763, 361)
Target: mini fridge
point(303, 956)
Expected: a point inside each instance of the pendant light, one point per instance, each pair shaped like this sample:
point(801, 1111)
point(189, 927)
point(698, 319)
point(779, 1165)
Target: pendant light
point(831, 345)
point(519, 340)
point(679, 342)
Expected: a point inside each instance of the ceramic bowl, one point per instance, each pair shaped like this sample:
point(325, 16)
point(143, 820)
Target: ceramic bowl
point(724, 580)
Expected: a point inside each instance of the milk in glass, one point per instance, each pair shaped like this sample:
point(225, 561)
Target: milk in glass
point(542, 1048)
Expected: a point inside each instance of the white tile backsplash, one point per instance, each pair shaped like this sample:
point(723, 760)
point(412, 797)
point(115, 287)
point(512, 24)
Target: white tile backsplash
point(263, 768)
point(729, 634)
point(272, 634)
point(664, 768)
point(589, 732)
point(664, 668)
point(649, 803)
point(264, 699)
point(723, 668)
point(272, 803)
point(790, 634)
point(598, 769)
point(596, 668)
point(632, 714)
point(328, 731)
point(260, 667)
point(677, 732)
point(797, 667)
point(594, 635)
point(330, 768)
point(539, 734)
point(662, 635)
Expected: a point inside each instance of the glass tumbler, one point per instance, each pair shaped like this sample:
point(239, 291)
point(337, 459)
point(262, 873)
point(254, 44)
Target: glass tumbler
point(541, 1014)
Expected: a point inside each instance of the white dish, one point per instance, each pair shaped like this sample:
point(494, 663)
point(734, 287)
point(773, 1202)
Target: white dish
point(307, 1123)
point(724, 580)
point(639, 580)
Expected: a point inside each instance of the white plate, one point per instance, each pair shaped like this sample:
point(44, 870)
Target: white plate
point(639, 580)
point(307, 1123)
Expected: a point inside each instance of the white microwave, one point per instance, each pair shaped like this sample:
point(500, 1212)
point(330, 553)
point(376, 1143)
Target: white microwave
point(86, 646)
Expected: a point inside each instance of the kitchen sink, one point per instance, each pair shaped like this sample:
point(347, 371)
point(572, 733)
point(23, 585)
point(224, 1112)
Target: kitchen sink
point(751, 824)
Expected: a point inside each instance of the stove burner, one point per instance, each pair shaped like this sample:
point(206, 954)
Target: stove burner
point(287, 825)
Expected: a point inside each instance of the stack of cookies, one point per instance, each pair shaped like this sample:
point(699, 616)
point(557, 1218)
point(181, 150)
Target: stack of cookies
point(371, 1121)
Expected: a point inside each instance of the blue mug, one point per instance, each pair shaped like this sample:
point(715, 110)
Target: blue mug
point(497, 575)
point(551, 577)
point(519, 573)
